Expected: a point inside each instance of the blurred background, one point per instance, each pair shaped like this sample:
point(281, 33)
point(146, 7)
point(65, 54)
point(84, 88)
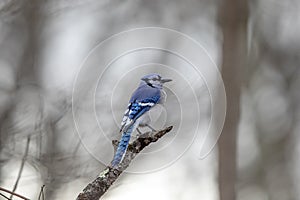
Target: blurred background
point(66, 77)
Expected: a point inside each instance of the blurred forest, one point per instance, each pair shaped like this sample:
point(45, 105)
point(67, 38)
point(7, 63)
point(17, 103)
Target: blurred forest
point(255, 44)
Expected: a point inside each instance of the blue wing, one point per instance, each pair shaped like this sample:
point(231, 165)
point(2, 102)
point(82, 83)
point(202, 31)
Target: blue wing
point(138, 108)
point(141, 101)
point(125, 117)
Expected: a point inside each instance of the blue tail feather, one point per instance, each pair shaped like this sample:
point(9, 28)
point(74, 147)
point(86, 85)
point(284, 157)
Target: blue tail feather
point(124, 142)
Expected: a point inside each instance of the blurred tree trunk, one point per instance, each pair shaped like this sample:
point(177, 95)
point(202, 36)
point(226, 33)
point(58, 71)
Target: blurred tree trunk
point(27, 73)
point(18, 52)
point(233, 16)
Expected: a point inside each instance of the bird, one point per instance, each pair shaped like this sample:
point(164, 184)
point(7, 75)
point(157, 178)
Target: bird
point(144, 99)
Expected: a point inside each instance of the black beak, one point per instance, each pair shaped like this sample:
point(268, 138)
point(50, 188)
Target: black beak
point(165, 80)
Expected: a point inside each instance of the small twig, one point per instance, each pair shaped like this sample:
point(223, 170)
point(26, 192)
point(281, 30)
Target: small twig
point(4, 196)
point(42, 193)
point(109, 175)
point(21, 168)
point(13, 193)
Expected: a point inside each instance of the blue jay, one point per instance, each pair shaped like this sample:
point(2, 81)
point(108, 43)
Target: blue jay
point(149, 93)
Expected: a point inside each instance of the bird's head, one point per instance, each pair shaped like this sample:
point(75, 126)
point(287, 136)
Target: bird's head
point(154, 80)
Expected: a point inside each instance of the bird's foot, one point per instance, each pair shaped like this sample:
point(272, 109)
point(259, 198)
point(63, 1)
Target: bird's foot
point(152, 129)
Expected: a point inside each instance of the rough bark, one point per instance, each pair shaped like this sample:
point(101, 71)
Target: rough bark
point(109, 175)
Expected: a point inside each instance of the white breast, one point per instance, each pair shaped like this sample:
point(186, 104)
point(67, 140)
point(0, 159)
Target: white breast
point(151, 116)
point(163, 97)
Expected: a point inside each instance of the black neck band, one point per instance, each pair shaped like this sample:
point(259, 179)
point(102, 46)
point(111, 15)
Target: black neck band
point(150, 84)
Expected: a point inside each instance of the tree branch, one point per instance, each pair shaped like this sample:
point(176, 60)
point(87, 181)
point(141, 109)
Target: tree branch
point(42, 193)
point(13, 193)
point(109, 175)
point(21, 168)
